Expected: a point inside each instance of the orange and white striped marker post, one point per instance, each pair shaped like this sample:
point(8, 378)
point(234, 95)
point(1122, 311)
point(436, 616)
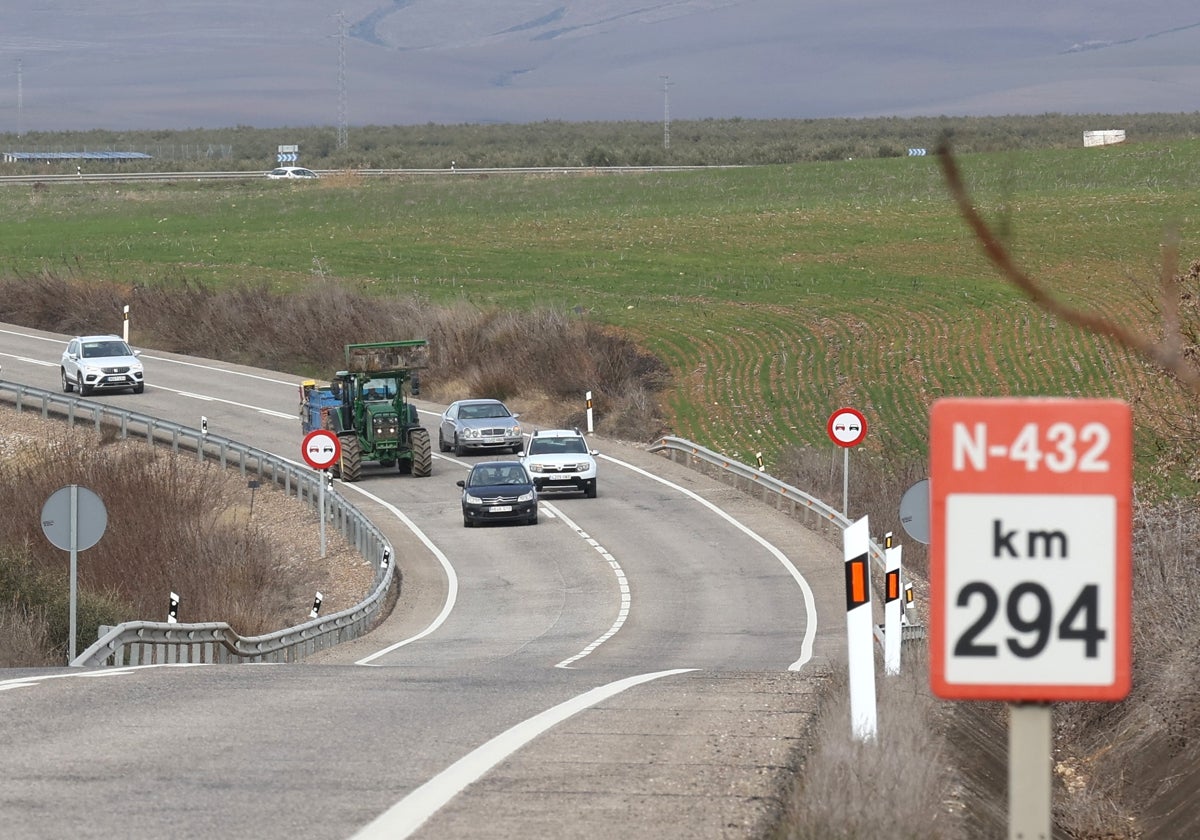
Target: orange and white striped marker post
point(860, 631)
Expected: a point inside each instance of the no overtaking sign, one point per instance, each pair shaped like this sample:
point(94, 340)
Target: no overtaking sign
point(1031, 549)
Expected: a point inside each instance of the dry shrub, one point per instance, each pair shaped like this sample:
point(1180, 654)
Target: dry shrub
point(173, 525)
point(1123, 760)
point(898, 785)
point(24, 635)
point(513, 356)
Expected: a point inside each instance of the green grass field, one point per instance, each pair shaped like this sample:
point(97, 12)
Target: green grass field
point(775, 294)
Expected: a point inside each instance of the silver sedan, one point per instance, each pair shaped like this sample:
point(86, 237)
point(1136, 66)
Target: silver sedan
point(484, 425)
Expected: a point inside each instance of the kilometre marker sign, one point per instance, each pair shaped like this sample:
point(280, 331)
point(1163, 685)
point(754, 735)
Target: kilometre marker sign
point(1030, 547)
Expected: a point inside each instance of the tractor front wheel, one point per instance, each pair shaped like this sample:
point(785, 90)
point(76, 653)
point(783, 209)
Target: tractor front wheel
point(349, 467)
point(422, 453)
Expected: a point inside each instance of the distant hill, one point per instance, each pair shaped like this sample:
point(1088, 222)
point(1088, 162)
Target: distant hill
point(144, 64)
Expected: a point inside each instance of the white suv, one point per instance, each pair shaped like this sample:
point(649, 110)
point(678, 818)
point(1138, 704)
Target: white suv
point(561, 459)
point(101, 363)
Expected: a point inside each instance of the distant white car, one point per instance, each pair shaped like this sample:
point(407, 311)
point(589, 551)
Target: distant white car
point(101, 363)
point(288, 172)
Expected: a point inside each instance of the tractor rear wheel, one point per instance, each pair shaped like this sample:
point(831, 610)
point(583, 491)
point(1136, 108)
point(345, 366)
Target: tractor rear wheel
point(422, 453)
point(350, 464)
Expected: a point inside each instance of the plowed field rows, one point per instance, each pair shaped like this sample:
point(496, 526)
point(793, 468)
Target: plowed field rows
point(759, 378)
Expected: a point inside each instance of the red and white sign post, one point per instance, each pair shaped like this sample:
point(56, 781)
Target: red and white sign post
point(1030, 567)
point(846, 427)
point(321, 450)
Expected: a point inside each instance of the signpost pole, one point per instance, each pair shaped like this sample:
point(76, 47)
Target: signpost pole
point(846, 482)
point(74, 570)
point(1029, 777)
point(321, 476)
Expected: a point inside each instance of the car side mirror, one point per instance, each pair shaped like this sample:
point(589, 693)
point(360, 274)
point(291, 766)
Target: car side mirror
point(461, 483)
point(594, 452)
point(137, 353)
point(415, 388)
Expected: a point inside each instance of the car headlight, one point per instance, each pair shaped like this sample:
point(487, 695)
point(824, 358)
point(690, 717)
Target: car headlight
point(471, 433)
point(526, 497)
point(472, 500)
point(537, 468)
point(515, 430)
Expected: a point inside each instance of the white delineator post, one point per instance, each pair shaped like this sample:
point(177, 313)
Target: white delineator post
point(588, 397)
point(892, 629)
point(859, 631)
point(125, 324)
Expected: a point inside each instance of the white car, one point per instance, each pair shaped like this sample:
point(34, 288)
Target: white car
point(290, 172)
point(101, 363)
point(560, 459)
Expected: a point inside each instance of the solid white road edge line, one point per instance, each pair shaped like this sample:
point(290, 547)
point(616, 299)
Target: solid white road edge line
point(810, 601)
point(452, 578)
point(407, 815)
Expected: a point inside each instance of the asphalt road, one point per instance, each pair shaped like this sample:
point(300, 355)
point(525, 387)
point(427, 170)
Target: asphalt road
point(642, 664)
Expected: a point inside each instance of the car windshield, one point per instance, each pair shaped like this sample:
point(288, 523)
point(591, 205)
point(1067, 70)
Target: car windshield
point(482, 412)
point(489, 476)
point(104, 349)
point(557, 446)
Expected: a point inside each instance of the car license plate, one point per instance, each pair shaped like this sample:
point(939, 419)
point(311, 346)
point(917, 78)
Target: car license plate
point(560, 478)
point(500, 509)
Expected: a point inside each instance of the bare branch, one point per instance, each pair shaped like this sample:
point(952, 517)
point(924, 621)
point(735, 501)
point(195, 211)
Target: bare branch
point(1166, 354)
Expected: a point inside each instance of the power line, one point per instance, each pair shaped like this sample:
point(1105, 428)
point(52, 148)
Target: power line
point(666, 80)
point(20, 96)
point(341, 130)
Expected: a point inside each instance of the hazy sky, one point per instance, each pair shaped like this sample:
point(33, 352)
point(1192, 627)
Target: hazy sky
point(144, 64)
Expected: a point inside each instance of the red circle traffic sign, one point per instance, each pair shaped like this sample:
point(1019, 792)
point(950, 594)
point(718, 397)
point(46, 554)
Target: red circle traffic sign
point(321, 448)
point(847, 427)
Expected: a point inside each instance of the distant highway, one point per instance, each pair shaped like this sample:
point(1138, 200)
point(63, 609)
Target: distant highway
point(362, 173)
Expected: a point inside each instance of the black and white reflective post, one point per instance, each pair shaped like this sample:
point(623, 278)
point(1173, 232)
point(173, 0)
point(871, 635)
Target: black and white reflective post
point(892, 613)
point(74, 519)
point(588, 398)
point(1031, 568)
point(321, 449)
point(846, 427)
point(125, 323)
point(860, 641)
point(316, 607)
point(173, 609)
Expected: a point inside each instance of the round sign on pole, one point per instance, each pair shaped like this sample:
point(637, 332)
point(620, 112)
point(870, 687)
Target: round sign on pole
point(321, 449)
point(847, 427)
point(914, 511)
point(91, 518)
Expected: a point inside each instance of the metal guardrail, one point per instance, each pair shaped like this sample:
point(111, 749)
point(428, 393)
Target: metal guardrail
point(151, 642)
point(812, 511)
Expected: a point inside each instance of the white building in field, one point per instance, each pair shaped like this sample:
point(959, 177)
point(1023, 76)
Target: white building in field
point(1104, 138)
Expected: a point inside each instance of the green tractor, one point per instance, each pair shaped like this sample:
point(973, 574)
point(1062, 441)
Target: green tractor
point(367, 408)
